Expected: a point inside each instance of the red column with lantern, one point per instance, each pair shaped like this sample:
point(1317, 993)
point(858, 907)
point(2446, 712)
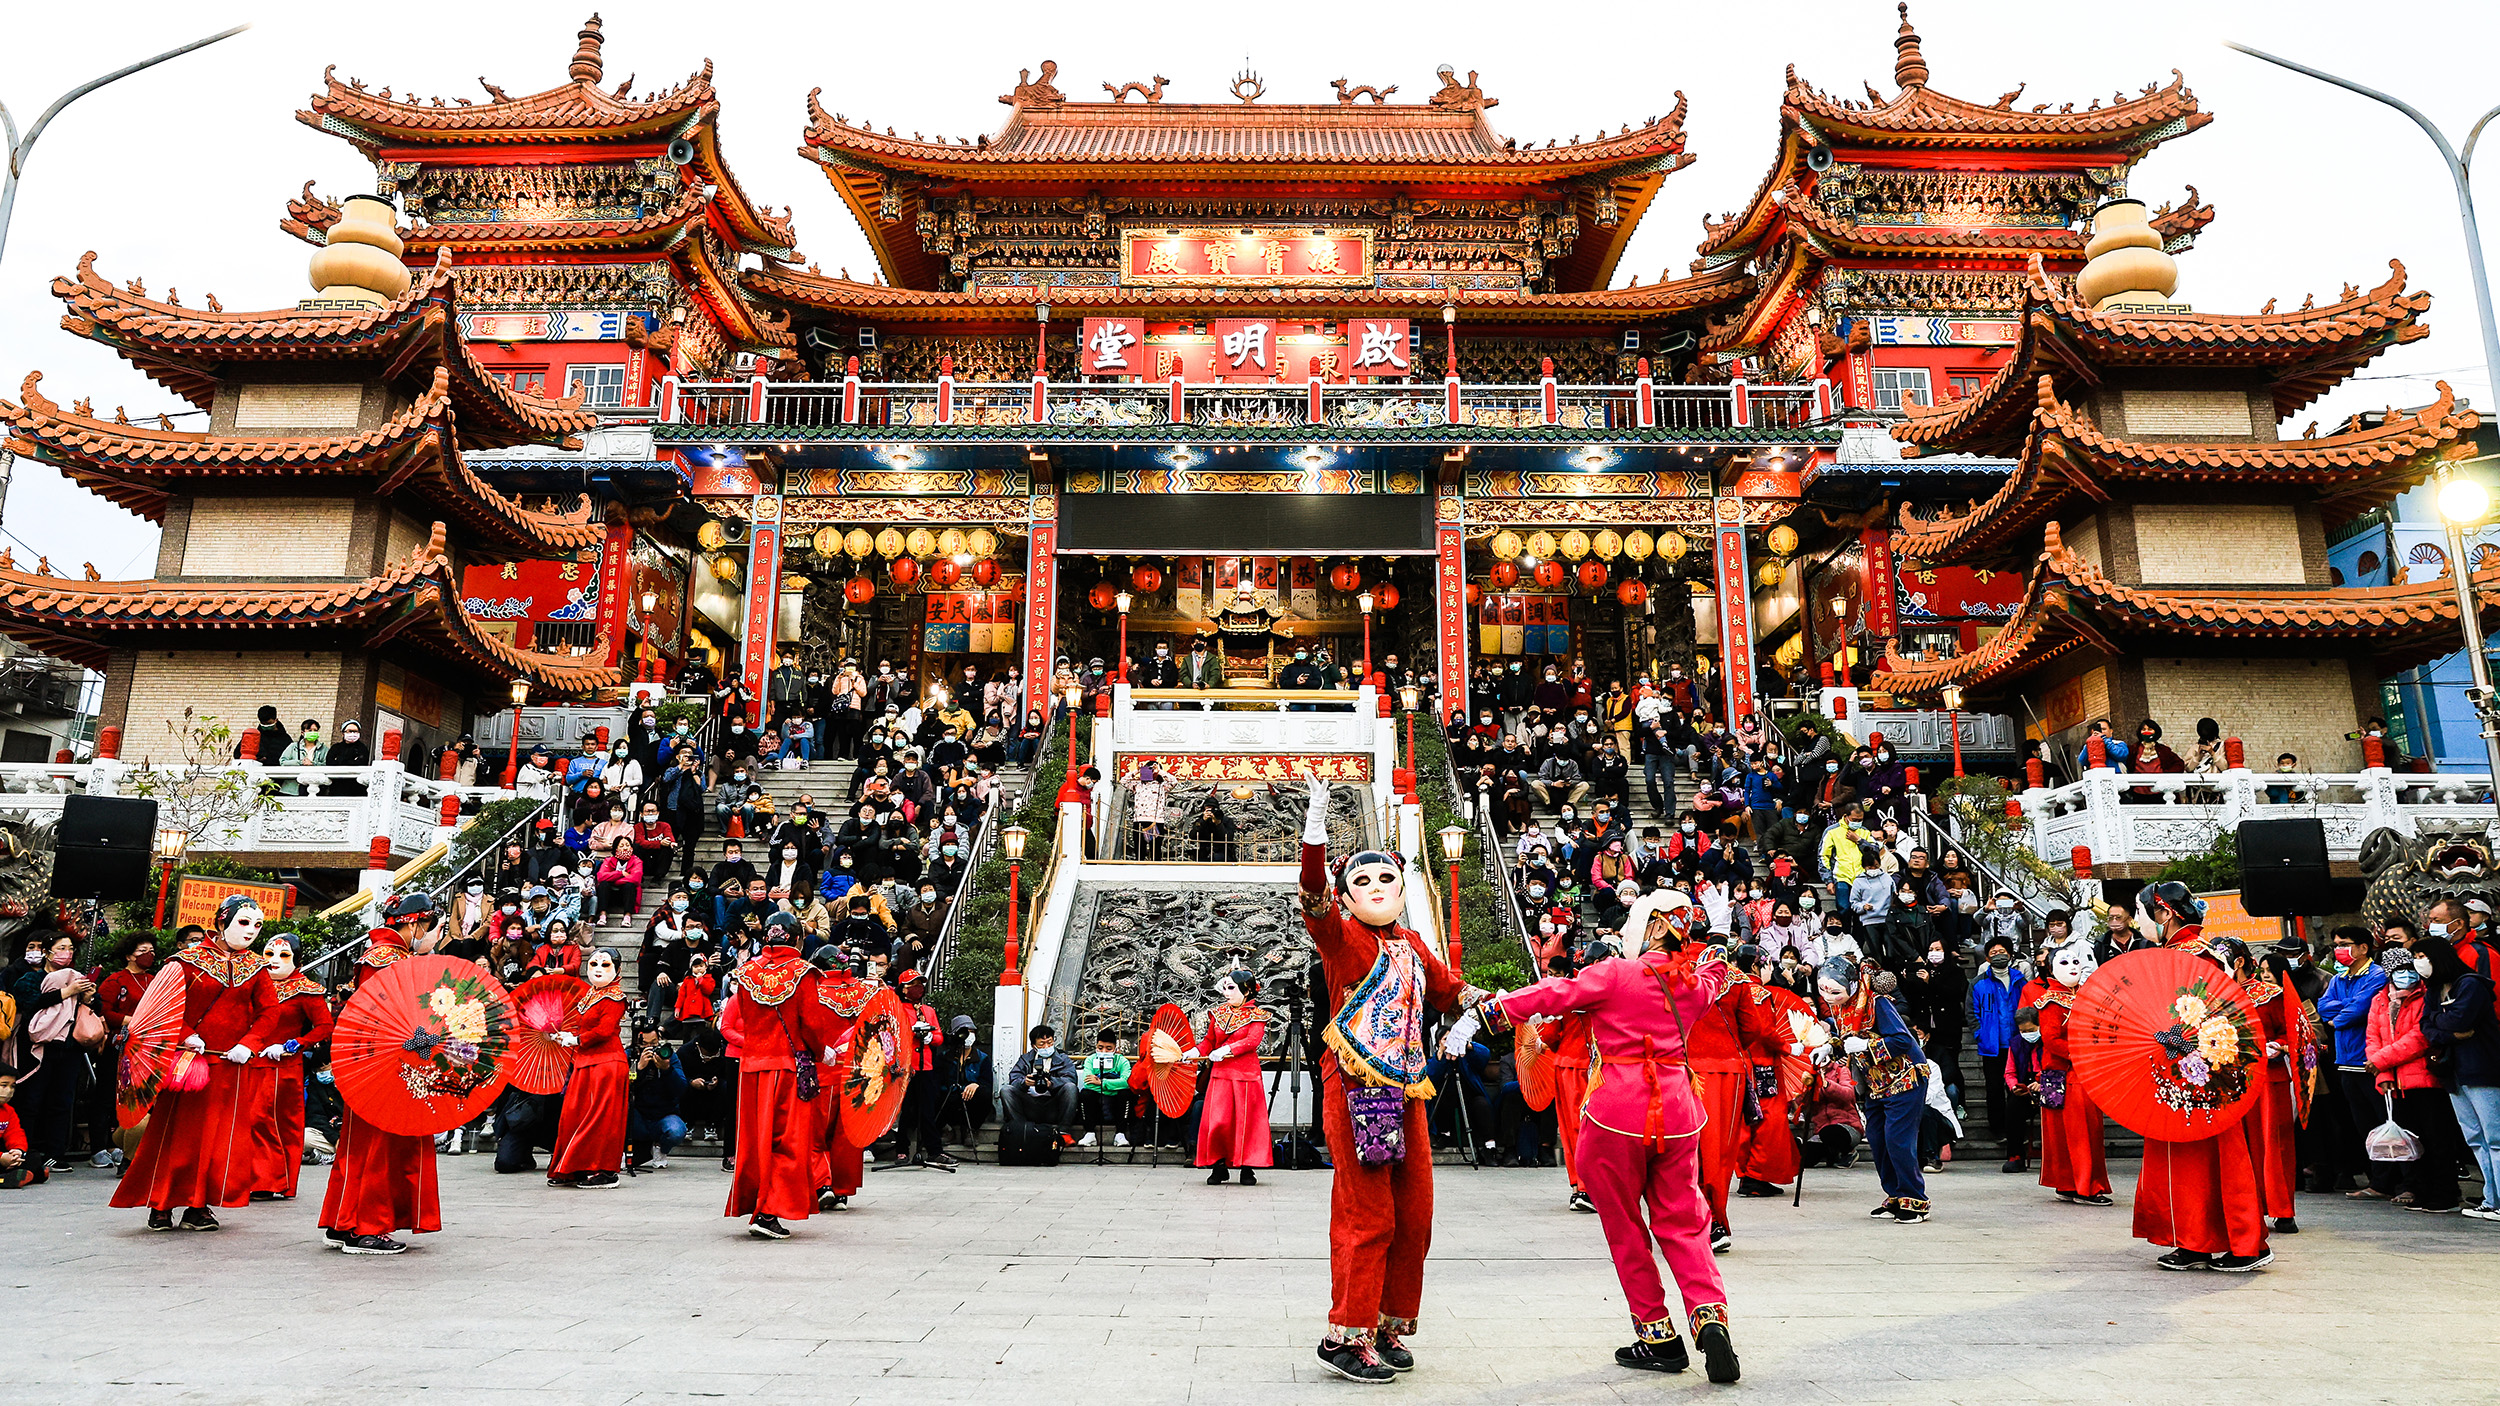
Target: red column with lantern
point(1041, 601)
point(1735, 588)
point(763, 602)
point(616, 558)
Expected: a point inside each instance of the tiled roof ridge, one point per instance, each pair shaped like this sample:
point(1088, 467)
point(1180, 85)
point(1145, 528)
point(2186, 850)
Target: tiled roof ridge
point(2395, 439)
point(786, 281)
point(2388, 303)
point(578, 105)
point(1918, 110)
point(93, 299)
point(1923, 539)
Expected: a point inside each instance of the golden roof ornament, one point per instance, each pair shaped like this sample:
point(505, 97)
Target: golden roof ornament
point(1909, 64)
point(2126, 270)
point(360, 262)
point(586, 64)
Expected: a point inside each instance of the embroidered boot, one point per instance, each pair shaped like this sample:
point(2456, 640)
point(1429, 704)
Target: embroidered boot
point(1718, 1349)
point(1655, 1348)
point(1348, 1352)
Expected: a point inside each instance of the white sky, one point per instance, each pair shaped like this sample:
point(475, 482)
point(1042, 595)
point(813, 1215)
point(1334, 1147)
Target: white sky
point(180, 174)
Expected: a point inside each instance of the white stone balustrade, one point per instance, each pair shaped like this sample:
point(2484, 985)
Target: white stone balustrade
point(2126, 818)
point(397, 803)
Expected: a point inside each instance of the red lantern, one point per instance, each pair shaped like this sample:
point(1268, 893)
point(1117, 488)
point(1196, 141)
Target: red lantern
point(1592, 574)
point(1103, 596)
point(904, 571)
point(1631, 593)
point(1385, 597)
point(859, 590)
point(1550, 575)
point(985, 573)
point(944, 572)
point(1146, 580)
point(1475, 593)
point(1346, 576)
point(1505, 575)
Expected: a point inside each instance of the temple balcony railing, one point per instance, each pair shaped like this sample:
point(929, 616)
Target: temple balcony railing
point(1635, 406)
point(1928, 732)
point(2132, 818)
point(407, 811)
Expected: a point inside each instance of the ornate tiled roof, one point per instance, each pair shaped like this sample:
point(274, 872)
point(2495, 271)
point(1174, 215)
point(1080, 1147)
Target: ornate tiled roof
point(309, 218)
point(2068, 460)
point(189, 351)
point(2313, 348)
point(417, 599)
point(2071, 604)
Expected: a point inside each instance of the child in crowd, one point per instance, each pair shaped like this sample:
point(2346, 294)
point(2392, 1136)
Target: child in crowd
point(16, 1168)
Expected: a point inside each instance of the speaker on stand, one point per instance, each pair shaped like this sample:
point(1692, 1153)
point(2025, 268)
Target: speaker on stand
point(103, 848)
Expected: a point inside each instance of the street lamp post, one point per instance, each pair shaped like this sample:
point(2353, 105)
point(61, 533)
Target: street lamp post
point(1012, 840)
point(19, 150)
point(512, 764)
point(1125, 600)
point(650, 602)
point(1953, 722)
point(1454, 844)
point(2463, 501)
point(1364, 602)
point(1075, 697)
point(1411, 696)
point(171, 840)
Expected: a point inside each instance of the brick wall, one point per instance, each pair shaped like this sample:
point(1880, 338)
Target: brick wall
point(329, 407)
point(2301, 706)
point(228, 686)
point(268, 537)
point(2254, 544)
point(406, 534)
point(2084, 540)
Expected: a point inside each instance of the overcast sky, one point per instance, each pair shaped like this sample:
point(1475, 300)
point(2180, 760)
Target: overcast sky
point(180, 174)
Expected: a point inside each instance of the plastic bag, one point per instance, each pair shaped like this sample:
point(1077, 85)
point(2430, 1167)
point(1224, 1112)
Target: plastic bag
point(2389, 1142)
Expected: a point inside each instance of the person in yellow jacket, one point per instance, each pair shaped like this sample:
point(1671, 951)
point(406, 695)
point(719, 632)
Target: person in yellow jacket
point(1842, 862)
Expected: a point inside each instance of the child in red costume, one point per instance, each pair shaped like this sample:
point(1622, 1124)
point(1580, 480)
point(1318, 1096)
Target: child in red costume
point(1379, 976)
point(2073, 1162)
point(203, 1147)
point(843, 995)
point(774, 1021)
point(384, 1181)
point(2205, 1198)
point(1767, 1157)
point(1643, 1125)
point(1232, 1128)
point(303, 1022)
point(1740, 1027)
point(590, 1136)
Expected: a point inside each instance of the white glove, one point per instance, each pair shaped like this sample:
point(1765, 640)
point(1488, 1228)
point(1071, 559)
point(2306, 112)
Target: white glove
point(276, 1051)
point(1796, 1049)
point(1220, 1052)
point(1315, 820)
point(1454, 1041)
point(195, 1044)
point(1855, 1044)
point(2274, 1048)
point(567, 1039)
point(240, 1054)
point(1822, 1054)
point(830, 1056)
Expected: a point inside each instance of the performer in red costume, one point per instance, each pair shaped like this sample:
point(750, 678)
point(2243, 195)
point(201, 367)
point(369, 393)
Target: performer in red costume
point(2073, 1163)
point(775, 1024)
point(303, 1022)
point(384, 1181)
point(1643, 1125)
point(203, 1147)
point(590, 1137)
point(843, 995)
point(1569, 1040)
point(2204, 1198)
point(1767, 1155)
point(1740, 1026)
point(2275, 1122)
point(1380, 976)
point(1232, 1128)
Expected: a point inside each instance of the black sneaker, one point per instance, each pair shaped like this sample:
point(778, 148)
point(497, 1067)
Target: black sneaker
point(335, 1239)
point(160, 1220)
point(826, 1200)
point(1718, 1352)
point(1880, 1211)
point(2014, 1164)
point(1356, 1362)
point(1750, 1186)
point(1722, 1240)
point(1668, 1356)
point(1250, 1177)
point(599, 1181)
point(1393, 1353)
point(2242, 1264)
point(1909, 1215)
point(2287, 1226)
point(1219, 1176)
point(942, 1159)
point(374, 1245)
point(2096, 1199)
point(199, 1218)
point(264, 1196)
point(768, 1228)
point(1580, 1201)
point(2185, 1259)
point(840, 1203)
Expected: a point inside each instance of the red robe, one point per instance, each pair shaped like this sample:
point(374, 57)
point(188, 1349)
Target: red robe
point(1769, 1151)
point(202, 1148)
point(2072, 1158)
point(1232, 1128)
point(1379, 1217)
point(382, 1181)
point(775, 1018)
point(304, 1017)
point(2204, 1195)
point(2276, 1119)
point(1722, 1048)
point(590, 1137)
point(839, 1159)
point(1570, 1040)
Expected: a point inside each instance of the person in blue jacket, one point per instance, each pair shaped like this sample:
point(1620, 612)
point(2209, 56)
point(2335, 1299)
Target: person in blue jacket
point(2345, 1007)
point(1995, 994)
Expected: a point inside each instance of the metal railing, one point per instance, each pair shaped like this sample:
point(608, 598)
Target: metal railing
point(440, 889)
point(2028, 889)
point(1497, 869)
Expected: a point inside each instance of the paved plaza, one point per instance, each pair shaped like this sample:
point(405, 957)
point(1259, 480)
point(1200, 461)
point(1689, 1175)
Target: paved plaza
point(1138, 1287)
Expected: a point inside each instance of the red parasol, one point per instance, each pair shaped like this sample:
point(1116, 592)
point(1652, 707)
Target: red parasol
point(1535, 1064)
point(539, 1005)
point(424, 1045)
point(2166, 1045)
point(1171, 1079)
point(154, 1060)
point(1803, 1029)
point(874, 1069)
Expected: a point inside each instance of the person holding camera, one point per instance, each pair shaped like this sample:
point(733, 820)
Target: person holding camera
point(1102, 1090)
point(1041, 1084)
point(658, 1092)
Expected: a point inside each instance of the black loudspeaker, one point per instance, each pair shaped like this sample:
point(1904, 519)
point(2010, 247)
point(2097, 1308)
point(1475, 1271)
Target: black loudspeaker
point(103, 848)
point(2283, 869)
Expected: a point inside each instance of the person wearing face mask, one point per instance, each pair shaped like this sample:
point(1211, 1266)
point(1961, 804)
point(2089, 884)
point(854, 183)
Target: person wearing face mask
point(2399, 1050)
point(1159, 671)
point(2073, 1161)
point(667, 941)
point(1300, 674)
point(2345, 1007)
point(590, 1137)
point(2149, 756)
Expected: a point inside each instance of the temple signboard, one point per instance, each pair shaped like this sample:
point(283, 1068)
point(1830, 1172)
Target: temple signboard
point(1248, 349)
point(1246, 257)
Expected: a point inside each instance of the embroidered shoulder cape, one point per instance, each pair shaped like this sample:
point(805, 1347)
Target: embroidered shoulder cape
point(1379, 1031)
point(298, 984)
point(770, 979)
point(227, 968)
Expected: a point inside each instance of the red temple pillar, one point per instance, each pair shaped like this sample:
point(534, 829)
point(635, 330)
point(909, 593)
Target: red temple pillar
point(763, 602)
point(616, 556)
point(1735, 589)
point(1450, 600)
point(1041, 600)
point(1879, 588)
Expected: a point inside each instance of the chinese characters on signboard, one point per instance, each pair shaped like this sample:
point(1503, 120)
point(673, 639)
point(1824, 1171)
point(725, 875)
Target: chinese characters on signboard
point(1247, 349)
point(1246, 258)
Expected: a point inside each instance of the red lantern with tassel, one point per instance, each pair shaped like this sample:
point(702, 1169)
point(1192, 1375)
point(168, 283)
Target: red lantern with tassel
point(944, 572)
point(1550, 575)
point(1592, 574)
point(859, 590)
point(1346, 576)
point(1103, 596)
point(1385, 598)
point(985, 573)
point(1146, 580)
point(904, 571)
point(1632, 593)
point(1475, 593)
point(1505, 575)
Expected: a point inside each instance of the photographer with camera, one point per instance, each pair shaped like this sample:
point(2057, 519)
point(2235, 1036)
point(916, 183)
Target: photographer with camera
point(658, 1093)
point(1041, 1085)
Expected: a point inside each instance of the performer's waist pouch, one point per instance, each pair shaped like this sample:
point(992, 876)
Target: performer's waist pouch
point(2052, 1088)
point(1379, 1117)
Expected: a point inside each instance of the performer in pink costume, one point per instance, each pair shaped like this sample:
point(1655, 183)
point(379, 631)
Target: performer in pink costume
point(1640, 1129)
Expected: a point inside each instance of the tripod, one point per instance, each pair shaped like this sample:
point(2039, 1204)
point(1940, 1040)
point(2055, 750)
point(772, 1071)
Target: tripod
point(1456, 1088)
point(1295, 1056)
